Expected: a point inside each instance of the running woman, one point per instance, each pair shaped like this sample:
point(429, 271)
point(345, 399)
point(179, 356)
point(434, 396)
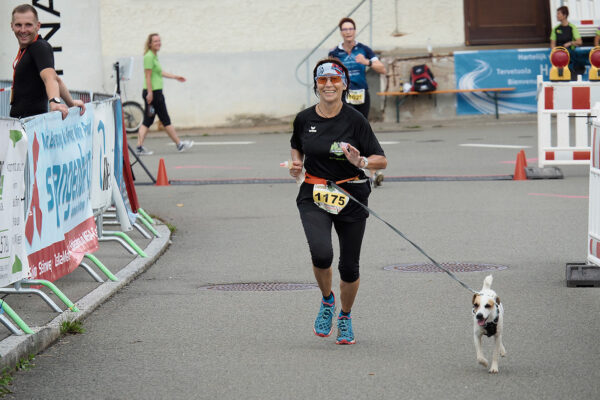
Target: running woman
point(334, 142)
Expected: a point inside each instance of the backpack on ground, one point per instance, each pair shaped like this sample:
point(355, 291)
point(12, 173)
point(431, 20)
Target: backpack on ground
point(422, 79)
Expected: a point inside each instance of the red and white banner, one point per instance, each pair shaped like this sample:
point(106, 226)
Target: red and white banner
point(594, 194)
point(564, 112)
point(60, 228)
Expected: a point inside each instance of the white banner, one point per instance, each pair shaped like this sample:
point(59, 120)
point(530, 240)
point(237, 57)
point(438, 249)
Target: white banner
point(103, 157)
point(13, 153)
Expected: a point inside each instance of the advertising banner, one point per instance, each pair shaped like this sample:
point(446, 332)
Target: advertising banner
point(13, 156)
point(103, 133)
point(60, 228)
point(516, 68)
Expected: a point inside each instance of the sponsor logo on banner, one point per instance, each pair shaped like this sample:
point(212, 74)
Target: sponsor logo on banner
point(516, 68)
point(60, 228)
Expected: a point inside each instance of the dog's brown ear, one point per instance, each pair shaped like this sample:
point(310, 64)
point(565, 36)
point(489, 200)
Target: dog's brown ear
point(474, 297)
point(497, 300)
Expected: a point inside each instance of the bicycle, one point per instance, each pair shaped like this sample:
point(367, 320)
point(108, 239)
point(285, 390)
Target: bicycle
point(133, 115)
point(133, 112)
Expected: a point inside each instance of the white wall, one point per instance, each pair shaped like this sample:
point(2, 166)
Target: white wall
point(78, 35)
point(239, 56)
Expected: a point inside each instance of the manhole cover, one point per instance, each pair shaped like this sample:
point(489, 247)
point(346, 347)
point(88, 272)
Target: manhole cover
point(450, 266)
point(259, 287)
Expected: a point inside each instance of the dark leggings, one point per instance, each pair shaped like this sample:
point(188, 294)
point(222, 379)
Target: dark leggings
point(160, 109)
point(317, 228)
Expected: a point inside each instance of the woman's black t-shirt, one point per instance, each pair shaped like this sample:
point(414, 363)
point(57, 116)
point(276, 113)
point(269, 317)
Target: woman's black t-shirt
point(318, 139)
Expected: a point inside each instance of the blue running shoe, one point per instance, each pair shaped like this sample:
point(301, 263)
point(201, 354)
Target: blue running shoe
point(324, 319)
point(345, 332)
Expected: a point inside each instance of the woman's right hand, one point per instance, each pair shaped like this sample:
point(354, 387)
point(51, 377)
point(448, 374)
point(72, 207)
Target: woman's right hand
point(296, 168)
point(149, 98)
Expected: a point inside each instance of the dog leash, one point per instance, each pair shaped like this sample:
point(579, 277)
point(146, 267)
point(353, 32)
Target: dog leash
point(373, 213)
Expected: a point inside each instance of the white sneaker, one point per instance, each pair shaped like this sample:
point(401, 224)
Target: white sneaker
point(142, 151)
point(184, 145)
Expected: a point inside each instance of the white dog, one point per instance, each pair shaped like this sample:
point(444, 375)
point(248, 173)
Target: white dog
point(488, 316)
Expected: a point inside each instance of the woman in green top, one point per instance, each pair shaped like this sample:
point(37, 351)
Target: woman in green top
point(154, 100)
point(566, 35)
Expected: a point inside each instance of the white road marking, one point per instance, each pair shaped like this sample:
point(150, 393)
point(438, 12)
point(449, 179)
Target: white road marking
point(383, 142)
point(215, 143)
point(495, 146)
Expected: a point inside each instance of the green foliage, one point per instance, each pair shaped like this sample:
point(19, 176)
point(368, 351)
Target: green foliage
point(6, 378)
point(5, 381)
point(171, 227)
point(25, 364)
point(72, 327)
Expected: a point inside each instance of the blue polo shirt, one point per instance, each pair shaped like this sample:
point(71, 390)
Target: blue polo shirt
point(358, 78)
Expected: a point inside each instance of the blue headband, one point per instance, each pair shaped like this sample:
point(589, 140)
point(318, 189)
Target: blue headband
point(329, 69)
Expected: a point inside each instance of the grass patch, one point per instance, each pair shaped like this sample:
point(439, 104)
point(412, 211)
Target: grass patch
point(25, 364)
point(6, 378)
point(5, 381)
point(171, 227)
point(71, 327)
point(413, 127)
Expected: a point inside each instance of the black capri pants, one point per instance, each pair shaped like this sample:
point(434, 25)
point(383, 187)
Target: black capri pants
point(317, 228)
point(160, 108)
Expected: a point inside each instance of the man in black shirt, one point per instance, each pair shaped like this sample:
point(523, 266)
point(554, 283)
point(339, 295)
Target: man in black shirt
point(36, 86)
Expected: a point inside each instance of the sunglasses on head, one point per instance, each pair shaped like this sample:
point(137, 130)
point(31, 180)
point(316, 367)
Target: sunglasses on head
point(322, 80)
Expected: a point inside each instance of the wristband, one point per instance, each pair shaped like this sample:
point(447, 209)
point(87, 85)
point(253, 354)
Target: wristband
point(366, 161)
point(370, 62)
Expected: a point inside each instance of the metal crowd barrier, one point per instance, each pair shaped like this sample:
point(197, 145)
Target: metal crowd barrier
point(85, 96)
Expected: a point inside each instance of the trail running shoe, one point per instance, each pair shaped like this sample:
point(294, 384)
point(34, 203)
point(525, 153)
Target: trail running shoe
point(324, 319)
point(345, 333)
point(142, 151)
point(184, 145)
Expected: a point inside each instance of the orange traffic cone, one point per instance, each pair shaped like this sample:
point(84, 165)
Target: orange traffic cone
point(520, 174)
point(524, 158)
point(161, 178)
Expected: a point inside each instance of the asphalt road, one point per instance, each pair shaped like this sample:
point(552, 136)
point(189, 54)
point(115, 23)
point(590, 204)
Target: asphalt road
point(164, 337)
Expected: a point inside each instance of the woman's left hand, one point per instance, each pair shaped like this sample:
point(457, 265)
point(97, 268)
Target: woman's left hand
point(352, 154)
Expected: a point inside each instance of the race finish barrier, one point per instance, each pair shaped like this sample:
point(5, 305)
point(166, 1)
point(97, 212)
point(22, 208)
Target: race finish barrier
point(567, 142)
point(57, 179)
point(588, 274)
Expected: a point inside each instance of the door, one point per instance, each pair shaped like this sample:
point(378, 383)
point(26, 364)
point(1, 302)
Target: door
point(506, 22)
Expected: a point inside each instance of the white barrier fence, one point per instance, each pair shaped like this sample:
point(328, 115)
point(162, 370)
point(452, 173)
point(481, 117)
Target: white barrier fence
point(568, 140)
point(594, 200)
point(13, 153)
point(55, 175)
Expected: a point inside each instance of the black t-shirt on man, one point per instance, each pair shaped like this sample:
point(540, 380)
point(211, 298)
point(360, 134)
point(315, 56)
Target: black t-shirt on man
point(318, 139)
point(29, 92)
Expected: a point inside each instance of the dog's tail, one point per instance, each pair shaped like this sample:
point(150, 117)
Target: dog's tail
point(487, 282)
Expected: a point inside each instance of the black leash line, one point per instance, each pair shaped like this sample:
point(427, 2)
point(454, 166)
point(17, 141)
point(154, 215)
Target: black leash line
point(416, 246)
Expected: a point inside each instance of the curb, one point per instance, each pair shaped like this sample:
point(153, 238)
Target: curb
point(15, 347)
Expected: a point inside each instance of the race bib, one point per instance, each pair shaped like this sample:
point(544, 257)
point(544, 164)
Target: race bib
point(329, 198)
point(356, 96)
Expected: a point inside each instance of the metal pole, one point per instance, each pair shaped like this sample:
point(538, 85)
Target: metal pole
point(307, 83)
point(371, 24)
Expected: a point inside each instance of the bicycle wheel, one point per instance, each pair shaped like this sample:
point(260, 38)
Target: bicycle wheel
point(133, 115)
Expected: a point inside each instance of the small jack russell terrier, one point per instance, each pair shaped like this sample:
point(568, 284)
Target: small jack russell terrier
point(488, 316)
